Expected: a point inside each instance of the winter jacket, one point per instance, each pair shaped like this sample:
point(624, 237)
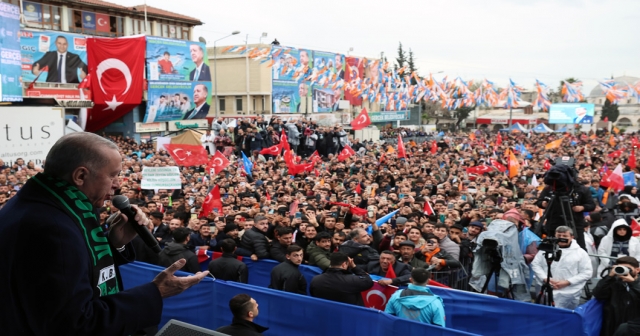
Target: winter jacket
point(446, 260)
point(239, 327)
point(318, 256)
point(278, 252)
point(607, 242)
point(402, 271)
point(255, 241)
point(229, 268)
point(414, 262)
point(361, 254)
point(197, 240)
point(175, 251)
point(339, 285)
point(621, 302)
point(451, 247)
point(417, 303)
point(293, 135)
point(286, 277)
point(574, 266)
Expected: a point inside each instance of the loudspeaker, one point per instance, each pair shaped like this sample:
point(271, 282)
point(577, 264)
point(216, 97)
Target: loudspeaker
point(177, 328)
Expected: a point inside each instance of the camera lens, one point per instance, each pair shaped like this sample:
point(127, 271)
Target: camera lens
point(621, 270)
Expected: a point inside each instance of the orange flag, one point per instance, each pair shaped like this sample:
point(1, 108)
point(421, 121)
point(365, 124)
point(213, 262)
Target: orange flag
point(472, 136)
point(514, 165)
point(554, 144)
point(612, 141)
point(616, 130)
point(605, 197)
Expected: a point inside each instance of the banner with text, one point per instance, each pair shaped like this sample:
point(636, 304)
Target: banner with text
point(177, 101)
point(10, 58)
point(40, 52)
point(161, 178)
point(379, 117)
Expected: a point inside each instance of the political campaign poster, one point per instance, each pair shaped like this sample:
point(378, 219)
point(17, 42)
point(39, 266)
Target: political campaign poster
point(177, 101)
point(177, 60)
point(287, 96)
point(330, 64)
point(160, 178)
point(293, 65)
point(326, 99)
point(578, 113)
point(353, 75)
point(40, 52)
point(10, 58)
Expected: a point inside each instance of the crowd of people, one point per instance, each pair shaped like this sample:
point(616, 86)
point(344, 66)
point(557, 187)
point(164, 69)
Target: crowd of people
point(448, 193)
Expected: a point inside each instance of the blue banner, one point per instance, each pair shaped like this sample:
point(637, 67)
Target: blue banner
point(32, 11)
point(41, 51)
point(629, 179)
point(571, 113)
point(177, 60)
point(177, 101)
point(89, 20)
point(10, 57)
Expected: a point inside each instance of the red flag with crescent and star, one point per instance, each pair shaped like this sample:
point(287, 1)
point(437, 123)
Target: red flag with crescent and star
point(217, 163)
point(187, 155)
point(345, 153)
point(361, 121)
point(273, 150)
point(116, 67)
point(378, 296)
point(212, 202)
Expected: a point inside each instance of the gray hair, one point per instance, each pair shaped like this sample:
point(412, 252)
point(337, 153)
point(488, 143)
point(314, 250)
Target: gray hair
point(259, 218)
point(76, 150)
point(355, 233)
point(563, 229)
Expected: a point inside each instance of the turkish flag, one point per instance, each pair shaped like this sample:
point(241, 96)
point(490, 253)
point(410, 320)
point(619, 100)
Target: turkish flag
point(288, 158)
point(479, 170)
point(284, 142)
point(434, 148)
point(428, 210)
point(103, 23)
point(499, 166)
point(361, 121)
point(358, 189)
point(547, 164)
point(296, 169)
point(401, 151)
point(212, 202)
point(314, 157)
point(378, 296)
point(217, 163)
point(615, 154)
point(632, 159)
point(634, 142)
point(499, 140)
point(613, 179)
point(273, 150)
point(635, 228)
point(116, 67)
point(187, 155)
point(345, 153)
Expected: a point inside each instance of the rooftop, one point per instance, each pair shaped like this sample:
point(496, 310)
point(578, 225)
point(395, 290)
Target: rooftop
point(151, 11)
point(597, 91)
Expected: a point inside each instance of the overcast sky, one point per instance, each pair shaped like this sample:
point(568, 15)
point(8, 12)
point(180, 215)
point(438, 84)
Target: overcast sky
point(494, 39)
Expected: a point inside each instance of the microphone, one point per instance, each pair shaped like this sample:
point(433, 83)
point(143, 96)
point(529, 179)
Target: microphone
point(122, 204)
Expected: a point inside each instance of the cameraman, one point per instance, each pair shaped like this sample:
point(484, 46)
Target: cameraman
point(560, 181)
point(569, 274)
point(621, 294)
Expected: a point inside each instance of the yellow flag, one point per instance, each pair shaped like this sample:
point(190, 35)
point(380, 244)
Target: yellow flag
point(553, 144)
point(514, 165)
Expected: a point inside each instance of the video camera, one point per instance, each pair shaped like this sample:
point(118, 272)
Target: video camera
point(550, 247)
point(491, 248)
point(562, 175)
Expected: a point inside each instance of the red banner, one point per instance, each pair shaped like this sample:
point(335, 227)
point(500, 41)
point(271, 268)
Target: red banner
point(103, 23)
point(116, 66)
point(353, 75)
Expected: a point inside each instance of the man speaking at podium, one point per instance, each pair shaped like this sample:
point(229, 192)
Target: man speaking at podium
point(59, 273)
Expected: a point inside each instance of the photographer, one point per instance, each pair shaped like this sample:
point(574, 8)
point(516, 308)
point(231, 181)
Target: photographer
point(618, 242)
point(560, 181)
point(621, 294)
point(569, 274)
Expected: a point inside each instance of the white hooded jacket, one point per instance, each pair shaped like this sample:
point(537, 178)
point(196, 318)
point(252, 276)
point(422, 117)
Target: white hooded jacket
point(607, 242)
point(574, 266)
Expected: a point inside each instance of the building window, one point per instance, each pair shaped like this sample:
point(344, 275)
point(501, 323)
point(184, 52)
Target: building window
point(13, 2)
point(100, 24)
point(239, 103)
point(174, 31)
point(185, 33)
point(41, 16)
point(138, 26)
point(221, 103)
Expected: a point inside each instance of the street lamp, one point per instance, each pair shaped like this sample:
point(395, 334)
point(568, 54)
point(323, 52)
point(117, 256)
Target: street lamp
point(263, 35)
point(350, 50)
point(215, 68)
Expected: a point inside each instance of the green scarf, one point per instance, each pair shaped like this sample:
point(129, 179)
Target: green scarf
point(77, 206)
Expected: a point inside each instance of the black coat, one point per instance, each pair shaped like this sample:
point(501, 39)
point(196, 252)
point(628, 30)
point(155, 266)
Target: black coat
point(228, 268)
point(286, 277)
point(362, 254)
point(402, 270)
point(255, 241)
point(278, 251)
point(164, 233)
point(340, 285)
point(176, 251)
point(240, 327)
point(620, 305)
point(48, 291)
point(197, 240)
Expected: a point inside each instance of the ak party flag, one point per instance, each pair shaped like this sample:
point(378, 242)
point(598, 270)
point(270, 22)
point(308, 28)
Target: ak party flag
point(248, 165)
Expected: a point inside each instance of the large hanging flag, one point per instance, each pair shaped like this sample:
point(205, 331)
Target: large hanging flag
point(401, 151)
point(554, 144)
point(116, 67)
point(212, 203)
point(248, 165)
point(346, 153)
point(361, 121)
point(217, 163)
point(514, 165)
point(187, 155)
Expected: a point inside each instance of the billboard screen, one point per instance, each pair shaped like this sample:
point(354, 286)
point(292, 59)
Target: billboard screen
point(579, 113)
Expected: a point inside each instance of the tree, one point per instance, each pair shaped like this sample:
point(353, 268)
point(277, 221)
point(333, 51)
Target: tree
point(610, 111)
point(401, 60)
point(462, 113)
point(411, 62)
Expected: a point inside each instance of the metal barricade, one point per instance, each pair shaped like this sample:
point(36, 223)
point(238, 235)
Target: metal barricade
point(457, 278)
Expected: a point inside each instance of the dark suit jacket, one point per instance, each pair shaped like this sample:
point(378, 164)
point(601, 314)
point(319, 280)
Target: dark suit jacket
point(402, 270)
point(200, 115)
point(205, 74)
point(72, 63)
point(47, 290)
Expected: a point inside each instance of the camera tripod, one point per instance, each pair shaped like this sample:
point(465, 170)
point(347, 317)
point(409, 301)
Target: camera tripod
point(546, 291)
point(496, 260)
point(565, 210)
